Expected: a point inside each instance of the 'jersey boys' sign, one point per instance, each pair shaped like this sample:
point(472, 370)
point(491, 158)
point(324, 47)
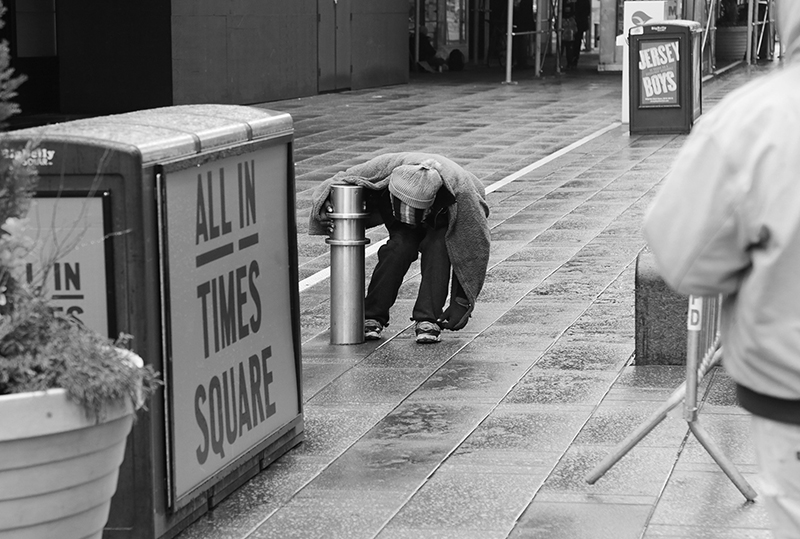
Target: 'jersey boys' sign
point(233, 366)
point(658, 69)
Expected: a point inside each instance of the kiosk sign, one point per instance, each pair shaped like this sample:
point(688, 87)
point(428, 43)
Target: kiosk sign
point(658, 72)
point(68, 235)
point(233, 379)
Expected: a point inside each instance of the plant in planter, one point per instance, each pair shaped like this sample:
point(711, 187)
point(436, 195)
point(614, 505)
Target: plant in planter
point(42, 348)
point(67, 394)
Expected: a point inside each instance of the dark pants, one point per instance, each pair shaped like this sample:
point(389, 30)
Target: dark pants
point(394, 259)
point(573, 48)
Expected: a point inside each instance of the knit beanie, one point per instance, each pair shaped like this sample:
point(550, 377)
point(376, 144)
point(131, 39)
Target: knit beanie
point(416, 185)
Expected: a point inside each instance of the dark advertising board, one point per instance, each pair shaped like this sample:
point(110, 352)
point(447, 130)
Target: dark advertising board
point(665, 79)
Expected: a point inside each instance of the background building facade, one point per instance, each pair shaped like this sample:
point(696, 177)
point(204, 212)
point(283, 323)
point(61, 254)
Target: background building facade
point(100, 57)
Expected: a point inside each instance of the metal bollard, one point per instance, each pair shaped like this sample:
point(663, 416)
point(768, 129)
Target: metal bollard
point(347, 264)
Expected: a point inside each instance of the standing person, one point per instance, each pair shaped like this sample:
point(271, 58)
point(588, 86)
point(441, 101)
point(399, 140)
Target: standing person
point(429, 205)
point(569, 31)
point(727, 221)
point(583, 19)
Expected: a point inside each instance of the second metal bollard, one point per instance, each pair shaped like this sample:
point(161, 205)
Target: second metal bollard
point(347, 264)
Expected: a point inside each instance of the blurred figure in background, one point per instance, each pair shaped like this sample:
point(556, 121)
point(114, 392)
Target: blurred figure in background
point(583, 21)
point(429, 59)
point(569, 32)
point(577, 17)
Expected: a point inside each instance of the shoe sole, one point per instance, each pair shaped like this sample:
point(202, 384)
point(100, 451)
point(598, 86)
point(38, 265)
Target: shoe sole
point(428, 339)
point(372, 336)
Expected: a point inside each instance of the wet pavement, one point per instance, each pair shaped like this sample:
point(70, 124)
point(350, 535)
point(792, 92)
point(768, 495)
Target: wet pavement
point(490, 433)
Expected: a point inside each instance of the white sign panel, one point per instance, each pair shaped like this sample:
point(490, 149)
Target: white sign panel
point(234, 380)
point(68, 233)
point(641, 11)
point(635, 13)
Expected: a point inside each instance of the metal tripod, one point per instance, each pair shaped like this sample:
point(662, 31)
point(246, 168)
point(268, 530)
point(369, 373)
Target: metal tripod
point(703, 334)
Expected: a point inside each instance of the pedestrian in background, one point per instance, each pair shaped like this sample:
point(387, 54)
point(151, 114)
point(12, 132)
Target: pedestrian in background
point(583, 20)
point(429, 58)
point(429, 205)
point(727, 221)
point(569, 31)
point(576, 17)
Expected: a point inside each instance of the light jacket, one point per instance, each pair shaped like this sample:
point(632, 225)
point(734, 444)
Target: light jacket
point(467, 237)
point(727, 220)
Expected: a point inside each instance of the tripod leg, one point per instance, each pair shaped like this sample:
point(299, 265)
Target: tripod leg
point(636, 436)
point(712, 358)
point(722, 460)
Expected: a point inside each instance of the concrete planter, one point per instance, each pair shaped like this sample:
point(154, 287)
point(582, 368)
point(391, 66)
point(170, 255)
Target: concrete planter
point(59, 468)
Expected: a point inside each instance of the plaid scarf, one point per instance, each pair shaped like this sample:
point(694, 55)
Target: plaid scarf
point(406, 214)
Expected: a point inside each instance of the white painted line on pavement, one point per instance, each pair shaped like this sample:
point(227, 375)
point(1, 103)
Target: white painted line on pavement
point(321, 275)
point(544, 160)
point(318, 277)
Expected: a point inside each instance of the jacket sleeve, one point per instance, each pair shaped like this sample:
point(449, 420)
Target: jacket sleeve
point(695, 227)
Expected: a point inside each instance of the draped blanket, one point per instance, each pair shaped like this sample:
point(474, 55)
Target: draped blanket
point(467, 237)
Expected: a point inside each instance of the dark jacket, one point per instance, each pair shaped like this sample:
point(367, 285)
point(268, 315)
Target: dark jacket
point(583, 14)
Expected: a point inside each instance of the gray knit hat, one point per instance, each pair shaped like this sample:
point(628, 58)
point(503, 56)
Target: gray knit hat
point(416, 185)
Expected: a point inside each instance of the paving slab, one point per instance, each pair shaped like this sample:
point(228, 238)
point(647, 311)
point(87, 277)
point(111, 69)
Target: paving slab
point(490, 433)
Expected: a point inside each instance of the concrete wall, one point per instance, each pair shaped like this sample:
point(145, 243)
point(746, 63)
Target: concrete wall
point(113, 56)
point(117, 56)
point(379, 43)
point(660, 317)
point(243, 51)
point(254, 51)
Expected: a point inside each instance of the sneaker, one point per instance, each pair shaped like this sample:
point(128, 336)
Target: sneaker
point(372, 330)
point(427, 332)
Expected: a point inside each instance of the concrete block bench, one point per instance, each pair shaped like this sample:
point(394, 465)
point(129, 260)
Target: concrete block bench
point(660, 317)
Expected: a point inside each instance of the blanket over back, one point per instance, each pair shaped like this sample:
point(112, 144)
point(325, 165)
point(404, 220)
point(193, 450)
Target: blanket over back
point(467, 237)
